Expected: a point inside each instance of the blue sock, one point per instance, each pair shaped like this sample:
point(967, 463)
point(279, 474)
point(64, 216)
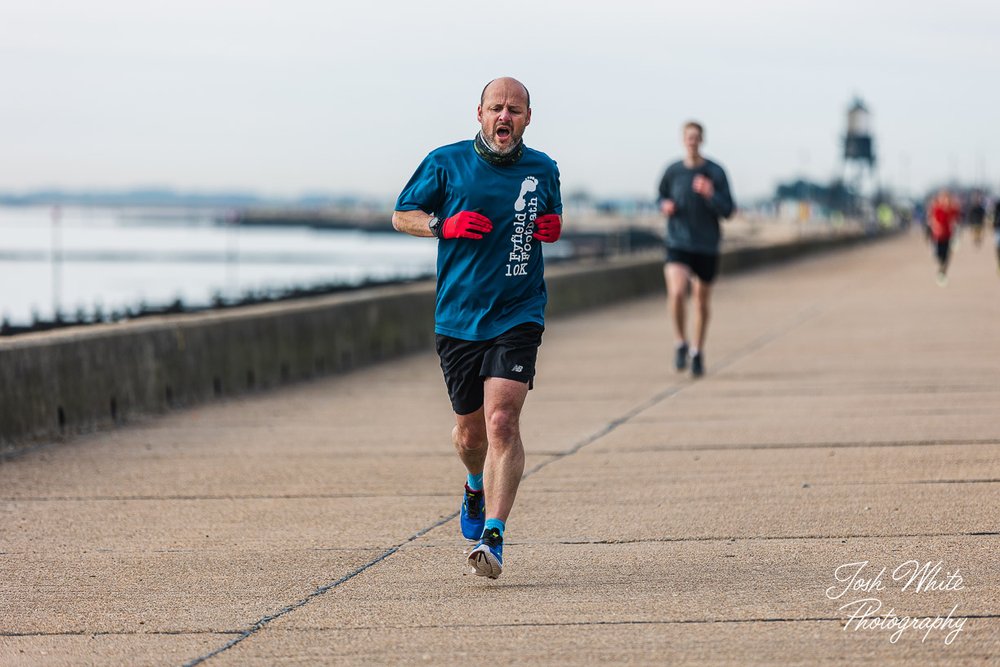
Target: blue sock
point(496, 523)
point(475, 482)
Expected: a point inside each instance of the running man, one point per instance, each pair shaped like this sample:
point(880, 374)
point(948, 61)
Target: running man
point(694, 195)
point(996, 230)
point(942, 216)
point(977, 217)
point(489, 201)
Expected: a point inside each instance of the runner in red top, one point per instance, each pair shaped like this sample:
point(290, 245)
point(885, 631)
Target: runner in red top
point(943, 216)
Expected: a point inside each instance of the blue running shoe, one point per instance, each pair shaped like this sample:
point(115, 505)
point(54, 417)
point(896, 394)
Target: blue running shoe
point(487, 558)
point(681, 357)
point(697, 365)
point(473, 514)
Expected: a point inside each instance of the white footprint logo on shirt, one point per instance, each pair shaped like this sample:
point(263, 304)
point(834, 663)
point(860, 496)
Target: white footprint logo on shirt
point(528, 185)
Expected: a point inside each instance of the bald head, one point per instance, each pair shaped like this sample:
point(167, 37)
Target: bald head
point(504, 111)
point(506, 81)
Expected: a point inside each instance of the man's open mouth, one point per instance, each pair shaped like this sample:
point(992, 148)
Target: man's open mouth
point(503, 133)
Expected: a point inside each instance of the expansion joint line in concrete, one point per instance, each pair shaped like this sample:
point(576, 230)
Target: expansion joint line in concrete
point(752, 347)
point(114, 633)
point(262, 622)
point(811, 445)
point(202, 498)
point(769, 538)
point(563, 624)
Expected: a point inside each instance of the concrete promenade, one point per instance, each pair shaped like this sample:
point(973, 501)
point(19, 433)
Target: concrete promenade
point(849, 414)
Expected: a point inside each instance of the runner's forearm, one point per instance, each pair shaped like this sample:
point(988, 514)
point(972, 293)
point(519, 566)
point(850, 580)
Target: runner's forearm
point(413, 223)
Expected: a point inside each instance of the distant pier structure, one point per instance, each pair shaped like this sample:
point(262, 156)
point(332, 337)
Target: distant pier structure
point(859, 150)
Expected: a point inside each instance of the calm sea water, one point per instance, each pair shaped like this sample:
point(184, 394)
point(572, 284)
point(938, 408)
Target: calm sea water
point(115, 258)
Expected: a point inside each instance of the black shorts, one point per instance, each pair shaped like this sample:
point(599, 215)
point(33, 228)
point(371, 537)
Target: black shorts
point(702, 265)
point(466, 363)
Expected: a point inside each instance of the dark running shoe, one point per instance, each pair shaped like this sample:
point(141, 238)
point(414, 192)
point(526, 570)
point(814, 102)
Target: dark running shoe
point(487, 558)
point(681, 357)
point(473, 515)
point(697, 365)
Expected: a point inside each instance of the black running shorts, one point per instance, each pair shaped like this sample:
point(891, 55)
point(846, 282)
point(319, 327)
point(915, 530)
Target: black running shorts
point(466, 363)
point(702, 265)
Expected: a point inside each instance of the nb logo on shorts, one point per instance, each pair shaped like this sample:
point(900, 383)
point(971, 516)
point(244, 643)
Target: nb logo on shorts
point(517, 368)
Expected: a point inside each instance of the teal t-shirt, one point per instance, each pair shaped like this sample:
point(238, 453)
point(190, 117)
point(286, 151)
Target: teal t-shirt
point(490, 285)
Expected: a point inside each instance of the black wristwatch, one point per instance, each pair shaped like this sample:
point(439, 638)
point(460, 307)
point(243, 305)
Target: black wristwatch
point(434, 224)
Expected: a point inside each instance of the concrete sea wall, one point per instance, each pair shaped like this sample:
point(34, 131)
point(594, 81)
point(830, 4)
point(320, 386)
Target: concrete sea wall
point(57, 384)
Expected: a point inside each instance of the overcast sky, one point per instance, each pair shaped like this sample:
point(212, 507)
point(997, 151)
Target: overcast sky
point(286, 97)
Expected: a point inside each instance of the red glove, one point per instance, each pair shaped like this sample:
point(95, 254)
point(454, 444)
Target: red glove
point(548, 227)
point(466, 225)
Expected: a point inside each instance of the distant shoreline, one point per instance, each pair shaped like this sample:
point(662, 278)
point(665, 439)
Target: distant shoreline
point(360, 219)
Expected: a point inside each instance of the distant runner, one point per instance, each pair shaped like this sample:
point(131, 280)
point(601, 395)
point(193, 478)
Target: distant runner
point(996, 230)
point(694, 195)
point(942, 216)
point(976, 218)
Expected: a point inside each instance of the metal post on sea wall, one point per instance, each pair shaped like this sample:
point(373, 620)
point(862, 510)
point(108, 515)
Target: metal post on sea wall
point(56, 257)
